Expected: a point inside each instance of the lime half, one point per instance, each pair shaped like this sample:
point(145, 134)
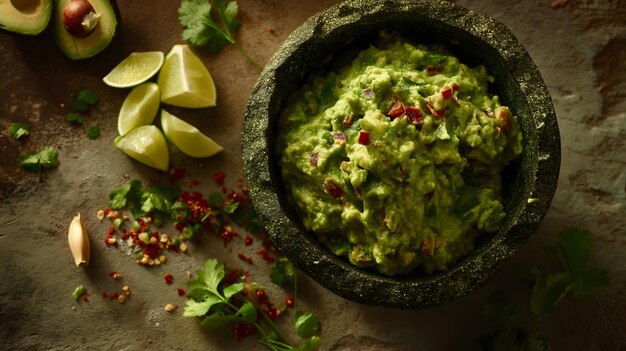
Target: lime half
point(185, 81)
point(137, 68)
point(139, 108)
point(187, 138)
point(147, 145)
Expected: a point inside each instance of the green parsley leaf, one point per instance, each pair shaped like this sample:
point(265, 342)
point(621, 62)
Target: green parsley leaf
point(128, 193)
point(19, 130)
point(75, 118)
point(46, 157)
point(282, 272)
point(195, 308)
point(247, 312)
point(307, 325)
point(83, 100)
point(93, 133)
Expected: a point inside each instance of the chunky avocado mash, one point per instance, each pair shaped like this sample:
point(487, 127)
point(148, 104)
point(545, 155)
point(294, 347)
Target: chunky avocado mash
point(394, 161)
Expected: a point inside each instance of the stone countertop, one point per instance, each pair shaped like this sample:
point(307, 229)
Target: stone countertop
point(578, 45)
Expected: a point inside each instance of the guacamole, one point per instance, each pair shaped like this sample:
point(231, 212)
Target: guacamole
point(394, 161)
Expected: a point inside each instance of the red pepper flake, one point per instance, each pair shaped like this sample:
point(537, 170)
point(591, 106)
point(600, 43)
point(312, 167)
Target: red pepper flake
point(414, 116)
point(219, 177)
point(270, 30)
point(181, 292)
point(244, 258)
point(290, 301)
point(396, 110)
point(332, 188)
point(169, 279)
point(364, 138)
point(176, 174)
point(456, 87)
point(340, 138)
point(111, 230)
point(313, 159)
point(115, 275)
point(266, 256)
point(248, 240)
point(273, 312)
point(105, 295)
point(115, 296)
point(85, 297)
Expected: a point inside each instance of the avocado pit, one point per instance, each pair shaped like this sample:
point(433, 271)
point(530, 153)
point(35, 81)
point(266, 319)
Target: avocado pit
point(80, 18)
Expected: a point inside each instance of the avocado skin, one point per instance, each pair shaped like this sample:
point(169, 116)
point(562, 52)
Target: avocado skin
point(67, 43)
point(476, 39)
point(46, 14)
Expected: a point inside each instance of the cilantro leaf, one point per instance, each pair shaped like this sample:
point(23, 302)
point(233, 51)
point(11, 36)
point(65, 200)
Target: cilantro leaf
point(233, 289)
point(128, 193)
point(19, 130)
point(195, 308)
point(282, 272)
point(218, 320)
point(228, 12)
point(83, 100)
point(247, 312)
point(46, 157)
point(574, 248)
point(93, 133)
point(74, 117)
point(307, 325)
point(548, 292)
point(311, 344)
point(159, 197)
point(212, 275)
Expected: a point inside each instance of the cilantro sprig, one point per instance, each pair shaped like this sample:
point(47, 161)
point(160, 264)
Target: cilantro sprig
point(577, 279)
point(201, 30)
point(218, 305)
point(45, 158)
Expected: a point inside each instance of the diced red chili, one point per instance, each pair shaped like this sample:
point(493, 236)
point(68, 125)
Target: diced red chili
point(364, 138)
point(446, 93)
point(219, 177)
point(456, 87)
point(181, 292)
point(176, 174)
point(248, 240)
point(333, 189)
point(414, 116)
point(432, 70)
point(396, 110)
point(169, 279)
point(244, 258)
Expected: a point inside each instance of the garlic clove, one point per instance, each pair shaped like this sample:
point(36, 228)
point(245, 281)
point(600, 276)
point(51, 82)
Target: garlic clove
point(78, 240)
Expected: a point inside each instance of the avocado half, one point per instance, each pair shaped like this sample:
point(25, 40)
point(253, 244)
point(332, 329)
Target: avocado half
point(25, 16)
point(78, 48)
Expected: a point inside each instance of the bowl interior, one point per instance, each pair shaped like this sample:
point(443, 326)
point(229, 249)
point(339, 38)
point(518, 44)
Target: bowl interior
point(330, 40)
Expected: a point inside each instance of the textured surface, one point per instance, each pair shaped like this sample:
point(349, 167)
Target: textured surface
point(475, 38)
point(579, 47)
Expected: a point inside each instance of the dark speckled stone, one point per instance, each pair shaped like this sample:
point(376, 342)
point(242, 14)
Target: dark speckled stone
point(476, 39)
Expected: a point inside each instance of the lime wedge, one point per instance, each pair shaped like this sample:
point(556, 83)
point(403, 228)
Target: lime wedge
point(147, 145)
point(185, 81)
point(137, 68)
point(139, 108)
point(187, 138)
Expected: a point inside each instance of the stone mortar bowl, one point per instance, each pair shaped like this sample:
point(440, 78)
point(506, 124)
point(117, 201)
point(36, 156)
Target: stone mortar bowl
point(529, 184)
